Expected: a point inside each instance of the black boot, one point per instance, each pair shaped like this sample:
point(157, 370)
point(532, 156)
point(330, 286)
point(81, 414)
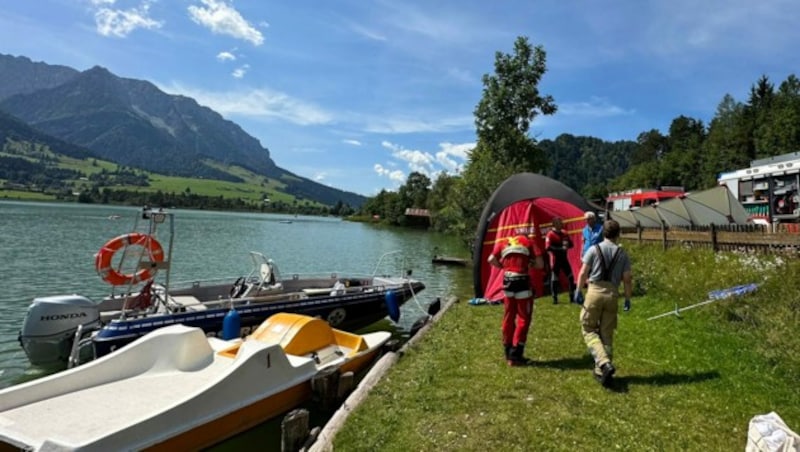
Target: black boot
point(508, 351)
point(516, 357)
point(572, 288)
point(607, 374)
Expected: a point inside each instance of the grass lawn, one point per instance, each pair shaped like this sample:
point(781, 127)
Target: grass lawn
point(688, 383)
point(19, 195)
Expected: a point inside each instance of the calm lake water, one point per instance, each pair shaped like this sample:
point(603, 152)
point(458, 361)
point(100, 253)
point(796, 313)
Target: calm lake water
point(48, 249)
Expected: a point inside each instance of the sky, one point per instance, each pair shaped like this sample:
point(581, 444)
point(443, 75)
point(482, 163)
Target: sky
point(357, 94)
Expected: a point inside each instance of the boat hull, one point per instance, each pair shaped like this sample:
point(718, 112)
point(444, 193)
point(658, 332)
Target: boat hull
point(349, 313)
point(176, 388)
point(248, 417)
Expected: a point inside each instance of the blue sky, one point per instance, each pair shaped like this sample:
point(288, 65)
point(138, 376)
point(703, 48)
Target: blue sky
point(356, 94)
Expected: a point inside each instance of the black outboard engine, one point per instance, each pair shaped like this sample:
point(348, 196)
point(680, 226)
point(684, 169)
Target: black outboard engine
point(50, 325)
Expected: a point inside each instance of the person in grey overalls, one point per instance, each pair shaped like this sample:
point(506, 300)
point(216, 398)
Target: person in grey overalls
point(605, 266)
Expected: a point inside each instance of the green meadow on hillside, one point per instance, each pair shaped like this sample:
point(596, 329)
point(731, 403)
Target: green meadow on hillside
point(253, 190)
point(683, 383)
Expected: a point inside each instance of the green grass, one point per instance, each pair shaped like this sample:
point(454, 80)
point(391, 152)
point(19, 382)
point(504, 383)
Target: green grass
point(253, 189)
point(25, 195)
point(688, 383)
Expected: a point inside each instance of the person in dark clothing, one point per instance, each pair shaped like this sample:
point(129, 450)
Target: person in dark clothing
point(557, 242)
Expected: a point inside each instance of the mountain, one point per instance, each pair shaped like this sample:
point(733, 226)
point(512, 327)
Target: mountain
point(133, 123)
point(20, 75)
point(12, 129)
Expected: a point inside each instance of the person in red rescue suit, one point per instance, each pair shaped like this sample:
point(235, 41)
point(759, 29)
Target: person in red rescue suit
point(515, 255)
point(557, 242)
point(605, 266)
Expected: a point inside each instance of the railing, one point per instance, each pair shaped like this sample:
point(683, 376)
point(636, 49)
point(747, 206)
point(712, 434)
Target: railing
point(750, 238)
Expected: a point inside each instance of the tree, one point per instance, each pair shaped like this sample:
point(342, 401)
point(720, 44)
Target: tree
point(652, 146)
point(728, 146)
point(442, 212)
point(481, 177)
point(510, 102)
point(759, 105)
point(562, 155)
point(680, 165)
point(779, 133)
point(414, 193)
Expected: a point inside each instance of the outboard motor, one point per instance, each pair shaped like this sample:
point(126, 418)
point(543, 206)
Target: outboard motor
point(50, 325)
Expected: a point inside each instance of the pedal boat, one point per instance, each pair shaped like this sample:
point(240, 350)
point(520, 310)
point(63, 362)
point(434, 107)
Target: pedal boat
point(176, 389)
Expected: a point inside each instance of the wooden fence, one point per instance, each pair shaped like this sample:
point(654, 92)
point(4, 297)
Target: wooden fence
point(749, 238)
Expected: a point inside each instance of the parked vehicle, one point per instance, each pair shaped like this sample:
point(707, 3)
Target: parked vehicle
point(768, 189)
point(641, 197)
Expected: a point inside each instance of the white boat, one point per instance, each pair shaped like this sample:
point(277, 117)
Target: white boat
point(176, 389)
point(71, 329)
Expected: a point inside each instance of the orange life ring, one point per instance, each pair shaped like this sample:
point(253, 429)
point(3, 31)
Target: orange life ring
point(103, 258)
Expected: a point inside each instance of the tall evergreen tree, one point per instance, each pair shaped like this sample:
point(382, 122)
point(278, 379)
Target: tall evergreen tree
point(728, 145)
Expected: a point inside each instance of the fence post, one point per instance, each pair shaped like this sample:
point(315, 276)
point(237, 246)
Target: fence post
point(639, 231)
point(714, 245)
point(664, 234)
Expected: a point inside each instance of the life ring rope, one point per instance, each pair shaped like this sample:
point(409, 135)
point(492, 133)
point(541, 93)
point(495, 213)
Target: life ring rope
point(104, 258)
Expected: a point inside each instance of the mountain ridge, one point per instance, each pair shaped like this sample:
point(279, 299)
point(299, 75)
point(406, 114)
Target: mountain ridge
point(131, 122)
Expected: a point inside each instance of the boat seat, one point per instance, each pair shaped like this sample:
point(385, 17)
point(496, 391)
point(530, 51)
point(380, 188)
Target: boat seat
point(328, 354)
point(188, 302)
point(277, 287)
point(108, 316)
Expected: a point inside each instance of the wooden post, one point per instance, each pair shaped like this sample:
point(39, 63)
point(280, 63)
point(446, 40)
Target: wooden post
point(639, 231)
point(294, 430)
point(347, 381)
point(325, 388)
point(664, 234)
point(325, 439)
point(714, 245)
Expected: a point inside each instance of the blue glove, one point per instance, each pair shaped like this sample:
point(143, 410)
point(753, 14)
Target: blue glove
point(578, 296)
point(627, 306)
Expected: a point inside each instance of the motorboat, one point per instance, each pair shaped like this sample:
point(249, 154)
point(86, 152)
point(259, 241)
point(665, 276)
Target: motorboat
point(65, 330)
point(176, 389)
point(448, 260)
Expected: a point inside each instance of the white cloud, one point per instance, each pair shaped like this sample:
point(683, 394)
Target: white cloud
point(464, 76)
point(222, 18)
point(353, 142)
point(367, 33)
point(240, 71)
point(435, 26)
point(723, 26)
point(419, 161)
point(258, 104)
point(380, 124)
point(120, 23)
point(453, 156)
point(595, 107)
point(450, 159)
point(226, 56)
point(319, 177)
point(396, 176)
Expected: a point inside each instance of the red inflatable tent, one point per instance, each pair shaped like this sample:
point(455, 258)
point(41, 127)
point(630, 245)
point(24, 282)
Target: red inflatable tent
point(525, 203)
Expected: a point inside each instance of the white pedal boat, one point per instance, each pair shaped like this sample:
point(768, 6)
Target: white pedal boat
point(177, 389)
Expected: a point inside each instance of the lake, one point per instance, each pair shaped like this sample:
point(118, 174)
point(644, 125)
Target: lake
point(48, 249)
